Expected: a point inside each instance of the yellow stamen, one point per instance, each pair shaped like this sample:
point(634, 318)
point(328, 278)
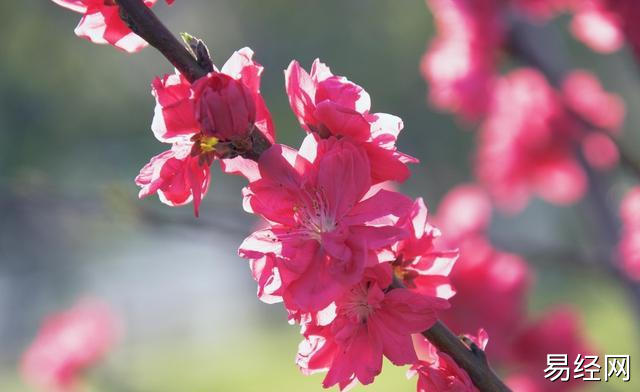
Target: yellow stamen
point(208, 144)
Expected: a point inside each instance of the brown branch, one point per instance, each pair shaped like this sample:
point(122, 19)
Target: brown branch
point(473, 359)
point(147, 25)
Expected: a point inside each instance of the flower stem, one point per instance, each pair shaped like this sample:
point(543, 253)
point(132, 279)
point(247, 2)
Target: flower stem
point(146, 24)
point(472, 360)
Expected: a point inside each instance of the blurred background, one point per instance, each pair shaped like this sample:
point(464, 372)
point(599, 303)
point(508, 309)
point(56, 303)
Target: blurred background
point(75, 129)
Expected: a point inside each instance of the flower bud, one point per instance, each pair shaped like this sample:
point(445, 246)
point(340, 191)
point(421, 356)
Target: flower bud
point(225, 108)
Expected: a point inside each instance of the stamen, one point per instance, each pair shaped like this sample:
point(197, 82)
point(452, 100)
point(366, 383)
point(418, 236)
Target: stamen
point(208, 143)
point(313, 213)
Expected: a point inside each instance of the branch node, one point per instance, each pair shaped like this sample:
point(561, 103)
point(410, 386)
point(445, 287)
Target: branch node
point(475, 349)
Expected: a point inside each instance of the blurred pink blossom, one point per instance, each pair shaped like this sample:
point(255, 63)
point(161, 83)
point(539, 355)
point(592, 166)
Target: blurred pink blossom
point(520, 154)
point(67, 344)
point(629, 247)
point(597, 27)
point(559, 330)
point(487, 281)
point(459, 65)
point(584, 94)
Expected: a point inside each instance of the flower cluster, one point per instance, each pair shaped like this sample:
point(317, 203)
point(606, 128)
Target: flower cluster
point(519, 155)
point(213, 118)
point(490, 281)
point(460, 62)
point(533, 139)
point(360, 267)
point(354, 263)
point(336, 240)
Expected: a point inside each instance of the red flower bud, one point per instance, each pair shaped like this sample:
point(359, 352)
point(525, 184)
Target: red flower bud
point(225, 107)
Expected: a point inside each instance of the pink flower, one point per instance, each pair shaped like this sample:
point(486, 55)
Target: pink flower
point(626, 13)
point(489, 282)
point(182, 174)
point(459, 65)
point(604, 25)
point(597, 26)
point(629, 251)
point(323, 233)
point(486, 280)
point(177, 175)
point(437, 371)
point(67, 344)
point(101, 23)
point(558, 331)
point(174, 115)
point(368, 323)
point(225, 107)
point(418, 264)
point(525, 383)
point(629, 247)
point(520, 154)
point(600, 151)
point(332, 105)
point(584, 94)
point(176, 106)
point(630, 208)
point(463, 212)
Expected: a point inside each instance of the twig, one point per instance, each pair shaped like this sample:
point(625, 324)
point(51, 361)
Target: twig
point(147, 25)
point(472, 360)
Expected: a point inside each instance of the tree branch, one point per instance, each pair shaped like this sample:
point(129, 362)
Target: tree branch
point(473, 359)
point(146, 24)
